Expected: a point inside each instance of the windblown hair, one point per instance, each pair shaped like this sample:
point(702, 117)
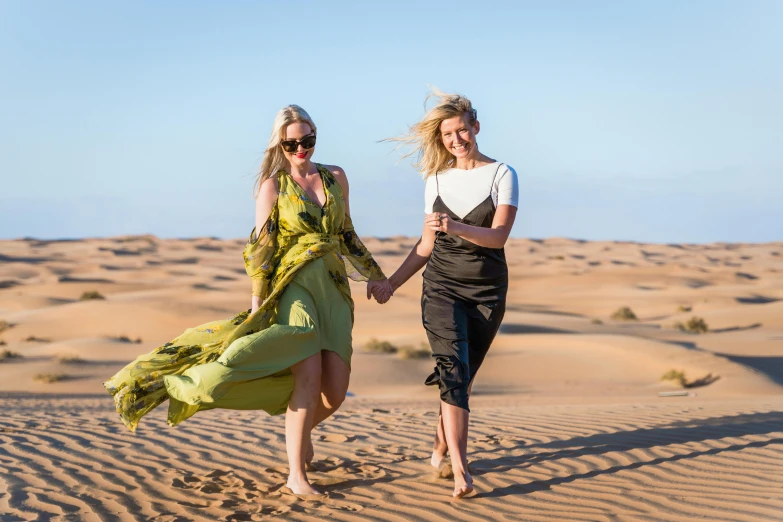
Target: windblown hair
point(425, 138)
point(274, 160)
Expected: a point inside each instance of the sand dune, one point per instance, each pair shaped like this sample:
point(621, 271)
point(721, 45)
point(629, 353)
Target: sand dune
point(568, 423)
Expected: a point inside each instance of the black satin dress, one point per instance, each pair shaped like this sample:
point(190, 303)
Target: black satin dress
point(463, 302)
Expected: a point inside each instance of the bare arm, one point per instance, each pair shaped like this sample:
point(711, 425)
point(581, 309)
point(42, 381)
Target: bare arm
point(494, 237)
point(265, 201)
point(417, 258)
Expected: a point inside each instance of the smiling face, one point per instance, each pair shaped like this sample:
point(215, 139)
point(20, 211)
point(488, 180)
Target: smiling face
point(297, 131)
point(459, 136)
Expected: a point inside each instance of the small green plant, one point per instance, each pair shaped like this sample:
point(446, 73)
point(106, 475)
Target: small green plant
point(411, 352)
point(8, 354)
point(696, 325)
point(376, 346)
point(597, 321)
point(677, 376)
point(624, 314)
point(92, 294)
point(126, 339)
point(683, 308)
point(50, 377)
point(70, 359)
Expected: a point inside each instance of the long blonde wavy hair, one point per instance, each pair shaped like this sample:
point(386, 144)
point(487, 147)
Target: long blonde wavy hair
point(425, 138)
point(274, 159)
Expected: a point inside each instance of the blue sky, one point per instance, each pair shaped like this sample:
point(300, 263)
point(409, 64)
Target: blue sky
point(647, 121)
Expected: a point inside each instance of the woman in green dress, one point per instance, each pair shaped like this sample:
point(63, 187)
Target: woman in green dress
point(291, 352)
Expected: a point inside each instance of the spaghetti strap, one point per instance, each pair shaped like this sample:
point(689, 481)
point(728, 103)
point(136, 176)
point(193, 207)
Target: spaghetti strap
point(437, 185)
point(494, 178)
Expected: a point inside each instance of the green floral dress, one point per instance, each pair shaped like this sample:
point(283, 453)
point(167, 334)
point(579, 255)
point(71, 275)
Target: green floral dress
point(299, 264)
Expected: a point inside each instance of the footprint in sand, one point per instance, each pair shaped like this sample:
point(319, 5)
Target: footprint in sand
point(333, 438)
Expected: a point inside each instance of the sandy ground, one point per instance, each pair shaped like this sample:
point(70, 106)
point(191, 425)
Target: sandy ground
point(567, 420)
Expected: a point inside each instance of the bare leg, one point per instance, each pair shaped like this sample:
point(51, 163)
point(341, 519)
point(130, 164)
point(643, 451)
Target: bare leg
point(299, 421)
point(440, 449)
point(335, 376)
point(455, 427)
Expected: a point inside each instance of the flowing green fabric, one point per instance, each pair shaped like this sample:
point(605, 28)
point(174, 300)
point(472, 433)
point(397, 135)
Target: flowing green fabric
point(244, 362)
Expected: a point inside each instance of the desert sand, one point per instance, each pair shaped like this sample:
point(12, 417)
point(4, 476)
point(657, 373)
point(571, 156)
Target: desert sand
point(568, 419)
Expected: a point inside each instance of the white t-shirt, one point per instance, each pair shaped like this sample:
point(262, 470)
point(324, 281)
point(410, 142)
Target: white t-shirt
point(463, 190)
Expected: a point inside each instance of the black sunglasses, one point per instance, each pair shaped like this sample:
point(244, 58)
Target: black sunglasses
point(308, 142)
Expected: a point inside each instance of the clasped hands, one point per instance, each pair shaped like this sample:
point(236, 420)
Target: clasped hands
point(381, 290)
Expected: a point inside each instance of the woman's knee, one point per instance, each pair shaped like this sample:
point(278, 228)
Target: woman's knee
point(333, 396)
point(334, 380)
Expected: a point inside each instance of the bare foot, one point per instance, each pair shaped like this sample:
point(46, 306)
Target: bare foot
point(463, 486)
point(302, 488)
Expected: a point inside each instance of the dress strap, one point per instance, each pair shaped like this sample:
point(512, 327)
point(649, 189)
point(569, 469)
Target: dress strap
point(437, 185)
point(494, 178)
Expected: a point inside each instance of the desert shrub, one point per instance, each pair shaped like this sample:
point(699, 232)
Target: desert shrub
point(696, 325)
point(677, 376)
point(50, 377)
point(683, 308)
point(70, 359)
point(2, 342)
point(376, 346)
point(624, 314)
point(411, 352)
point(8, 354)
point(557, 258)
point(597, 321)
point(126, 339)
point(4, 325)
point(92, 294)
point(34, 339)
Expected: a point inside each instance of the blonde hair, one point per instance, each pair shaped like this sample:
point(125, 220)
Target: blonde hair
point(274, 160)
point(425, 138)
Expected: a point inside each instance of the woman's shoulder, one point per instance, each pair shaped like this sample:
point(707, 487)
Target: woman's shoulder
point(503, 169)
point(337, 173)
point(269, 188)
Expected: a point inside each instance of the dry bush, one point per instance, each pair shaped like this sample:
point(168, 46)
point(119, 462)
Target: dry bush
point(50, 377)
point(34, 339)
point(92, 294)
point(679, 377)
point(2, 342)
point(624, 313)
point(8, 354)
point(126, 339)
point(4, 325)
point(597, 321)
point(696, 325)
point(411, 352)
point(376, 346)
point(683, 308)
point(70, 359)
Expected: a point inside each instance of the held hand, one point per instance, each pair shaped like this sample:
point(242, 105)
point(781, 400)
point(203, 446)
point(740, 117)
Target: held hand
point(380, 290)
point(441, 222)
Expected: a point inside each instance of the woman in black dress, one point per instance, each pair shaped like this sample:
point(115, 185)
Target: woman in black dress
point(470, 204)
